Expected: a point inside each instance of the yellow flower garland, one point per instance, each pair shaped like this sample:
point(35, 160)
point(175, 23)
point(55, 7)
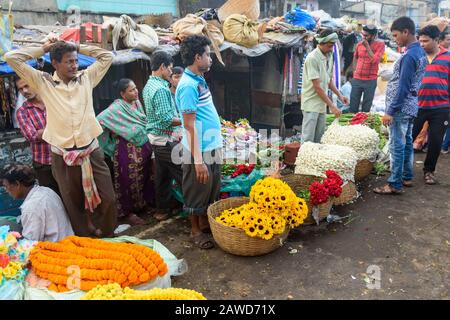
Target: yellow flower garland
point(115, 292)
point(273, 206)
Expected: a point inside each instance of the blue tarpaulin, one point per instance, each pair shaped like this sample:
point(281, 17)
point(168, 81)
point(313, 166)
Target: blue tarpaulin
point(83, 61)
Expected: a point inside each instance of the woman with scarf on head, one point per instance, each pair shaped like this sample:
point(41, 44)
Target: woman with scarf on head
point(317, 79)
point(125, 140)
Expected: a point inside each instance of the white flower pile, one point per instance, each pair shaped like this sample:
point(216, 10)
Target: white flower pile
point(360, 138)
point(315, 158)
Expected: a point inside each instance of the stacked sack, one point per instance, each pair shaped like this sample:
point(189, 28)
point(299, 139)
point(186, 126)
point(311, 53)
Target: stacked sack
point(239, 29)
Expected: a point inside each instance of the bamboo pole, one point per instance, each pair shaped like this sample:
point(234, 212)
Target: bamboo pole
point(95, 34)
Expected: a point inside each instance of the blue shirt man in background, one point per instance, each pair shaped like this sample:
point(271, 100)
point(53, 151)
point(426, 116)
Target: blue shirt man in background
point(202, 139)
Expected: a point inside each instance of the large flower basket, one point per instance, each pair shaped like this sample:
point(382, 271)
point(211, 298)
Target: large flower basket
point(349, 193)
point(299, 182)
point(323, 212)
point(236, 241)
point(363, 169)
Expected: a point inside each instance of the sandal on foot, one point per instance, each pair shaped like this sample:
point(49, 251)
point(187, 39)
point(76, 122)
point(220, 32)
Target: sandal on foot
point(408, 183)
point(135, 220)
point(387, 189)
point(161, 216)
point(207, 230)
point(430, 178)
point(202, 241)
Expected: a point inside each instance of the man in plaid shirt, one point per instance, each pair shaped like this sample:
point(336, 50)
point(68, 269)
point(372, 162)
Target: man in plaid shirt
point(31, 117)
point(367, 58)
point(163, 133)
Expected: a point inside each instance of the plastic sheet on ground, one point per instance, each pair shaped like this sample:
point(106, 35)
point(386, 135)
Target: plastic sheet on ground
point(12, 290)
point(242, 183)
point(175, 266)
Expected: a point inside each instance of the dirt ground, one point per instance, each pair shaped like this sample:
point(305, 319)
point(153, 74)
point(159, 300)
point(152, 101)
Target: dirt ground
point(405, 237)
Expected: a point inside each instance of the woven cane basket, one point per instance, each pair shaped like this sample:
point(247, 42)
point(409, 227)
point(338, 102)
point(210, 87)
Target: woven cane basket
point(349, 193)
point(299, 182)
point(363, 169)
point(235, 241)
point(324, 211)
point(248, 8)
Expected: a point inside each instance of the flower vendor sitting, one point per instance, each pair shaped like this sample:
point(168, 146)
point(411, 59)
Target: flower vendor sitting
point(43, 215)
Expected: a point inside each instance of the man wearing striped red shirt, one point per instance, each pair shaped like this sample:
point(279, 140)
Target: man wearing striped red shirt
point(31, 117)
point(434, 98)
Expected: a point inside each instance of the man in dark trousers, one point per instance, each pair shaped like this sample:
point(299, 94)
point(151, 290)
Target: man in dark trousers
point(366, 61)
point(434, 100)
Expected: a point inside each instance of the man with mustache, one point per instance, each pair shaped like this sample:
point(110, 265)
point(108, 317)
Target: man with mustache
point(32, 119)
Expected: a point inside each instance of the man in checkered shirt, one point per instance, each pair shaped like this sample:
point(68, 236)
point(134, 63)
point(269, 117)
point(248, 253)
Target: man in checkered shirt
point(31, 117)
point(163, 128)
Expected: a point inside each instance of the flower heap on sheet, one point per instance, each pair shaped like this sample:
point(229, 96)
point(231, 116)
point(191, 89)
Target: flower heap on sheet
point(13, 256)
point(116, 292)
point(273, 206)
point(98, 262)
point(361, 138)
point(315, 159)
point(240, 139)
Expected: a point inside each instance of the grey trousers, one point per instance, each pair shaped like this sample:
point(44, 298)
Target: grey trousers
point(360, 87)
point(313, 126)
point(198, 197)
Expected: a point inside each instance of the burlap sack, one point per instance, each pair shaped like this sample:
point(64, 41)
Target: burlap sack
point(133, 35)
point(239, 29)
point(192, 25)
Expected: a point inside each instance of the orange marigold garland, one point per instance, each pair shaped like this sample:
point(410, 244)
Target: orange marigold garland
point(99, 262)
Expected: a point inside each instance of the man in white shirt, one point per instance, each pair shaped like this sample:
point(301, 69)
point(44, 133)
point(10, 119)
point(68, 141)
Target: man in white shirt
point(43, 215)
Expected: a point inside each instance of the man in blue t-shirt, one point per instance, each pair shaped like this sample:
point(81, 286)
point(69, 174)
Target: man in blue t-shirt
point(202, 139)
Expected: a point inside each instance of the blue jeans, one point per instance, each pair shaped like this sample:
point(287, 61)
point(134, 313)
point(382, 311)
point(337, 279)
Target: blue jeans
point(446, 143)
point(401, 149)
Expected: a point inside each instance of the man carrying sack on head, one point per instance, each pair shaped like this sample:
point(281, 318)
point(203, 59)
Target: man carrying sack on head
point(78, 163)
point(317, 79)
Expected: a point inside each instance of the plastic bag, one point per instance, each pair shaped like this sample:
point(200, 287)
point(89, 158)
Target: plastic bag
point(240, 30)
point(298, 17)
point(175, 266)
point(133, 35)
point(12, 290)
point(241, 184)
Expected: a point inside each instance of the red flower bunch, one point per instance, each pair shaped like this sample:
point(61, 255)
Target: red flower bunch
point(224, 195)
point(4, 260)
point(319, 194)
point(333, 183)
point(243, 169)
point(359, 118)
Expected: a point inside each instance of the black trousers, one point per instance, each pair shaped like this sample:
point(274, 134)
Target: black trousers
point(45, 176)
point(438, 122)
point(166, 170)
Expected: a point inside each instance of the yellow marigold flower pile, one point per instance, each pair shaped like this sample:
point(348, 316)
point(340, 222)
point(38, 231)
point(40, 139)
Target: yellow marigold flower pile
point(273, 206)
point(115, 292)
point(99, 262)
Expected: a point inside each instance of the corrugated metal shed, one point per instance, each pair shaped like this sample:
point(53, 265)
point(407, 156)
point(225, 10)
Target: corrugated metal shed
point(138, 7)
